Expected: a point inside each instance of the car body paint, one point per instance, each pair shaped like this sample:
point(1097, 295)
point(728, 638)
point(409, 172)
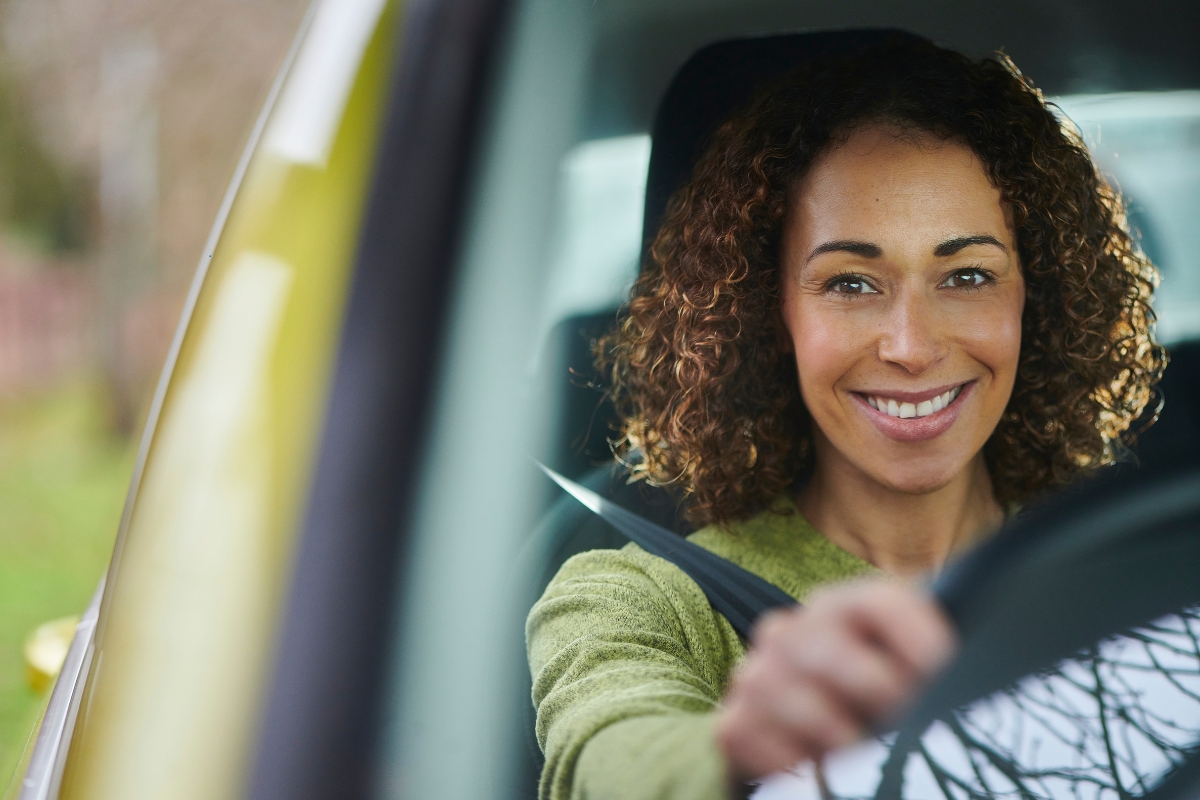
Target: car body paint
point(184, 641)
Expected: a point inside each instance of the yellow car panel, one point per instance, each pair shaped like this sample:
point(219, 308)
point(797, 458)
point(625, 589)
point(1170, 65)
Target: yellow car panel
point(187, 624)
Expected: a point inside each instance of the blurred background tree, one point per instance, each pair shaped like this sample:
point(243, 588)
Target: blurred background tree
point(121, 122)
point(42, 202)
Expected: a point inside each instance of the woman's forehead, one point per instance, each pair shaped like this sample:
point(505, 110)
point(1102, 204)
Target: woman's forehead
point(882, 158)
point(896, 186)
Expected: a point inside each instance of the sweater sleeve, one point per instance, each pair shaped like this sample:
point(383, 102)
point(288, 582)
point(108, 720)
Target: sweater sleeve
point(629, 662)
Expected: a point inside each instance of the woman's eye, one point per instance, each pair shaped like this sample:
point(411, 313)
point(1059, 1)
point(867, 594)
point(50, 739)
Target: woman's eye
point(966, 279)
point(850, 284)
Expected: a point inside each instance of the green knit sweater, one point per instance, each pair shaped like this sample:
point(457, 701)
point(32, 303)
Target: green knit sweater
point(629, 660)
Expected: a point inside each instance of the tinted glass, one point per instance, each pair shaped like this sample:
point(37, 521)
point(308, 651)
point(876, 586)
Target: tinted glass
point(1148, 145)
point(1079, 673)
point(1113, 721)
point(549, 245)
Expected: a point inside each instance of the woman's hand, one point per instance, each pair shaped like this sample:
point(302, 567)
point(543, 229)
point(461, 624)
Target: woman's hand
point(818, 677)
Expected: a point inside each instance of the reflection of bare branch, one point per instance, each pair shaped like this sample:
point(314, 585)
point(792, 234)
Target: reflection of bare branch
point(1106, 735)
point(1110, 723)
point(944, 778)
point(1173, 674)
point(1004, 765)
point(972, 758)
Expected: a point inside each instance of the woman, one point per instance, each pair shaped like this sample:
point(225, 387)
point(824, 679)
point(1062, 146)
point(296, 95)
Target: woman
point(895, 301)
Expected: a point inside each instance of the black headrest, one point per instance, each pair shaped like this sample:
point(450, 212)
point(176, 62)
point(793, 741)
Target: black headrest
point(716, 83)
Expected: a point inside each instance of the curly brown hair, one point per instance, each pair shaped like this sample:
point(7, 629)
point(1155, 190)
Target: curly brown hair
point(706, 389)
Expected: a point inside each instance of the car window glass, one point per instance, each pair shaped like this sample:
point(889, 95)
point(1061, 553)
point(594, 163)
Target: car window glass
point(1112, 721)
point(552, 233)
point(1148, 145)
point(597, 237)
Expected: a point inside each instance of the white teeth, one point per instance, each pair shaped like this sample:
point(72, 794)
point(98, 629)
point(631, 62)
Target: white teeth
point(910, 410)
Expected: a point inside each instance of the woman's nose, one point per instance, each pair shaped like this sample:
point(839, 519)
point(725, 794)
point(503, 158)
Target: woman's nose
point(912, 337)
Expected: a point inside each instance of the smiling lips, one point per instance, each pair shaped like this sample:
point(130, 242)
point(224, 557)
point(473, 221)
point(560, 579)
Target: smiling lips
point(906, 410)
point(914, 416)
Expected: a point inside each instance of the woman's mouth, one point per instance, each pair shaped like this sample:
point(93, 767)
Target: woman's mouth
point(906, 410)
point(914, 416)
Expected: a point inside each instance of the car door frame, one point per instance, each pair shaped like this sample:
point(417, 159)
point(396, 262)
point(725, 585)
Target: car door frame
point(322, 720)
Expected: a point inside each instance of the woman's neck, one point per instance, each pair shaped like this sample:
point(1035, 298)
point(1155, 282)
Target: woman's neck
point(903, 534)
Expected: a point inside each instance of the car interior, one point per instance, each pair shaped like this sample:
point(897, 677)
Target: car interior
point(711, 85)
point(593, 116)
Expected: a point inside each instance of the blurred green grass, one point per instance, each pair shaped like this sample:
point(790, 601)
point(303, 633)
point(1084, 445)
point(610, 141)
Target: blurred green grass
point(63, 477)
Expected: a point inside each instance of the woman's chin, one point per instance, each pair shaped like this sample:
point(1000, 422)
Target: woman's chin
point(915, 480)
point(904, 468)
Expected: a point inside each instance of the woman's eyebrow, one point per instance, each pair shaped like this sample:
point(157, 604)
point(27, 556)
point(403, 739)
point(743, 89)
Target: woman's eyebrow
point(864, 249)
point(952, 246)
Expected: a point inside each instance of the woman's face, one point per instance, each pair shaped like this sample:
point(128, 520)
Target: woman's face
point(902, 293)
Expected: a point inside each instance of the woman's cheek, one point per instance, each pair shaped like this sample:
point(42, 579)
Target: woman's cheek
point(992, 335)
point(826, 346)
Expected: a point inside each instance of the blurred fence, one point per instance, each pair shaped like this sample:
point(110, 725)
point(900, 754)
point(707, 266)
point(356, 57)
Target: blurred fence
point(49, 326)
point(45, 326)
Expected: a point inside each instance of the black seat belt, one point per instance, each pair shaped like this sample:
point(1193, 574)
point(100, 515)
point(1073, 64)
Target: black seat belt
point(738, 594)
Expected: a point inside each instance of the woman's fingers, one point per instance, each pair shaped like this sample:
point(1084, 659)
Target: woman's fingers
point(851, 669)
point(907, 633)
point(902, 622)
point(778, 711)
point(796, 701)
point(775, 730)
point(816, 678)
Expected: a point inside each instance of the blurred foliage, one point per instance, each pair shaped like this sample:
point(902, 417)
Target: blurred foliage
point(63, 476)
point(40, 201)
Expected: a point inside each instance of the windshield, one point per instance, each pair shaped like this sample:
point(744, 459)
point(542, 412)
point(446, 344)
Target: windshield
point(1112, 721)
